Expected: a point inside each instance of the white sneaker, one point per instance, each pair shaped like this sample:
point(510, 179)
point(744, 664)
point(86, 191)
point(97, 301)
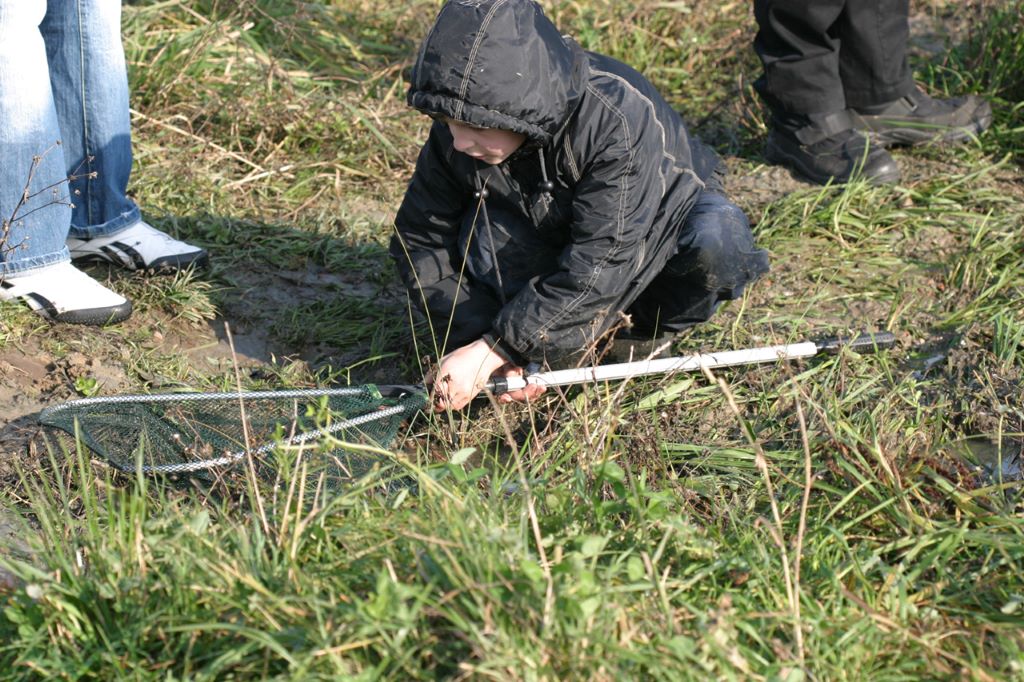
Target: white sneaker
point(138, 247)
point(63, 293)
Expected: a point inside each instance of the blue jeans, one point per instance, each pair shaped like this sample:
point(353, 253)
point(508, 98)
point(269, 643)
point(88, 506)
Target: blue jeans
point(65, 142)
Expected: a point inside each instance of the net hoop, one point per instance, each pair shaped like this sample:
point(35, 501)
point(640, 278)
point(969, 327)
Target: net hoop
point(51, 416)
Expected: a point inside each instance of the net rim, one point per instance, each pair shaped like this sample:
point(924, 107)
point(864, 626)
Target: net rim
point(406, 399)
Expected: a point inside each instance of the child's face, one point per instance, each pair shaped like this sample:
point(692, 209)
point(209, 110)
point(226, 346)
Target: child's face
point(490, 145)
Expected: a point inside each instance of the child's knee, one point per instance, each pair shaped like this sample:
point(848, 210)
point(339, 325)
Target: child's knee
point(714, 212)
point(718, 233)
point(717, 241)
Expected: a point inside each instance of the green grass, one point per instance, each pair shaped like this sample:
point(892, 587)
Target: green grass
point(834, 519)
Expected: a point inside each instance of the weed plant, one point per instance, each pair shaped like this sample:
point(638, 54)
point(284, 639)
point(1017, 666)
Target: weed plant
point(854, 517)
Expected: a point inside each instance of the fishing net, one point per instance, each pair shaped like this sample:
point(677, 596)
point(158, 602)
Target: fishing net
point(178, 433)
point(192, 432)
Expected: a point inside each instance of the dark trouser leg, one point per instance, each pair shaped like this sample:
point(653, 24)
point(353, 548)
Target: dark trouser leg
point(821, 58)
point(800, 55)
point(828, 55)
point(717, 258)
point(873, 52)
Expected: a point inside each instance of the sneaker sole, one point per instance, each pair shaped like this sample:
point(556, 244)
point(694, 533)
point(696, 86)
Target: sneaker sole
point(95, 317)
point(132, 260)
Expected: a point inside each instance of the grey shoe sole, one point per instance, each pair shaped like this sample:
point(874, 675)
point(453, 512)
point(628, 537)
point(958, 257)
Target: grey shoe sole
point(96, 317)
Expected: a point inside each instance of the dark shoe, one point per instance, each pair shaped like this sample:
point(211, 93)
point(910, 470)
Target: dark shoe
point(825, 147)
point(918, 119)
point(629, 346)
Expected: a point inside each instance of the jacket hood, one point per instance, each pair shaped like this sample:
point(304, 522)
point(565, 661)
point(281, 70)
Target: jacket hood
point(498, 64)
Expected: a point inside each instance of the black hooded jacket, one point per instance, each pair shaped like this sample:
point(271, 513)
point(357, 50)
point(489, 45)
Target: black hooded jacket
point(604, 181)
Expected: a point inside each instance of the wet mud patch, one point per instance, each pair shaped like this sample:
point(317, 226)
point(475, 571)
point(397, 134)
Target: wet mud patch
point(63, 362)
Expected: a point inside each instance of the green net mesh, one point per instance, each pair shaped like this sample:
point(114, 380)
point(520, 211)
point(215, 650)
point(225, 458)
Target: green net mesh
point(194, 432)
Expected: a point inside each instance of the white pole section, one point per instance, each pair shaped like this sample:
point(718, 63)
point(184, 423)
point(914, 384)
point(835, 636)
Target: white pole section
point(685, 363)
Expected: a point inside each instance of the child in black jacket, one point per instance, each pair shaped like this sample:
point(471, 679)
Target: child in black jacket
point(557, 190)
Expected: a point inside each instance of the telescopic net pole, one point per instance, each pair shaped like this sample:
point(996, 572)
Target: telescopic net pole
point(688, 363)
point(639, 368)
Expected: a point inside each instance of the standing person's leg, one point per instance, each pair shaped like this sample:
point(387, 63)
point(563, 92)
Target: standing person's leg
point(35, 204)
point(879, 85)
point(800, 55)
point(800, 45)
point(90, 88)
point(717, 258)
point(873, 36)
point(33, 195)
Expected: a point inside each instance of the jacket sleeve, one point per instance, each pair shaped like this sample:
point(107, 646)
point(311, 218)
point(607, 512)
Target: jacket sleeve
point(615, 207)
point(425, 248)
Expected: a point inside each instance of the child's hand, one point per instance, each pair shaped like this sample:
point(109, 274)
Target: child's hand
point(462, 374)
point(525, 394)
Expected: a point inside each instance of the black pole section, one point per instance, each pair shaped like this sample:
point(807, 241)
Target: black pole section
point(864, 343)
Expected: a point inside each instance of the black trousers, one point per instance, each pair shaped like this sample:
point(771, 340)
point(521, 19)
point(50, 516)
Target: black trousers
point(717, 258)
point(826, 55)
